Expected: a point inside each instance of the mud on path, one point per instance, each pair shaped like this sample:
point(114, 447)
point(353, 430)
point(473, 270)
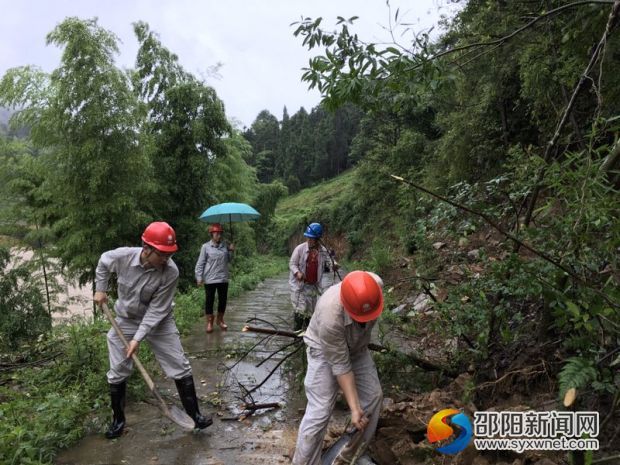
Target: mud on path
point(265, 438)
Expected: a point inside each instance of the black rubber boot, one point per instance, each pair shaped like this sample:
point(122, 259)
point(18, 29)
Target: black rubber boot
point(117, 396)
point(187, 393)
point(300, 321)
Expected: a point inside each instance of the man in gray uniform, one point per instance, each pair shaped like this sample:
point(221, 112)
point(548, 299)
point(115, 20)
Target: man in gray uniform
point(307, 264)
point(147, 281)
point(338, 357)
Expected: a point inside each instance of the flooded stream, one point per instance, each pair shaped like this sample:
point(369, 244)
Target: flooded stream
point(264, 438)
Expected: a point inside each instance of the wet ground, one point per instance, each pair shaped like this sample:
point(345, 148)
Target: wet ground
point(264, 438)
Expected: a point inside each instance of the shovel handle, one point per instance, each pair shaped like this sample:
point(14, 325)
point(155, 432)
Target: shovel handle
point(134, 357)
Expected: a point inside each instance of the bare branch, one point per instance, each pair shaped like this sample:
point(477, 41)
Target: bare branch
point(247, 352)
point(260, 320)
point(289, 355)
point(274, 332)
point(276, 352)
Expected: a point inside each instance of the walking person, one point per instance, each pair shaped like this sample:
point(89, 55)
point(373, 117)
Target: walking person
point(307, 264)
point(212, 271)
point(147, 281)
point(338, 357)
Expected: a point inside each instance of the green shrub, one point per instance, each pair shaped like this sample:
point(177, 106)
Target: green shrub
point(23, 316)
point(44, 408)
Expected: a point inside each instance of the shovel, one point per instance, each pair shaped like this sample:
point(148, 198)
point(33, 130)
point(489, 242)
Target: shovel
point(352, 442)
point(172, 412)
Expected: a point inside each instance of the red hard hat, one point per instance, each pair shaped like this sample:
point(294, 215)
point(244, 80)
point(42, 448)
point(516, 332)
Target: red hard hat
point(216, 227)
point(361, 296)
point(161, 236)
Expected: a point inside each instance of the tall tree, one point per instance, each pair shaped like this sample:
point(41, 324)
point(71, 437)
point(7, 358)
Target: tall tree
point(185, 129)
point(264, 135)
point(83, 116)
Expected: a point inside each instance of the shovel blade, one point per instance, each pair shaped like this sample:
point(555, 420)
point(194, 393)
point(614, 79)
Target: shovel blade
point(180, 417)
point(351, 440)
point(330, 454)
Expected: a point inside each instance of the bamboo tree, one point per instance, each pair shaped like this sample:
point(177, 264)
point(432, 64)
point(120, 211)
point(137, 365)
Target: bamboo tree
point(184, 131)
point(83, 116)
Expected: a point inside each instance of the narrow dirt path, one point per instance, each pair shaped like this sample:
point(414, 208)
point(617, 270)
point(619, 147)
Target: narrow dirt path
point(262, 439)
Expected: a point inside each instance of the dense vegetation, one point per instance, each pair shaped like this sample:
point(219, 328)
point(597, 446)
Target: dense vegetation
point(502, 134)
point(109, 151)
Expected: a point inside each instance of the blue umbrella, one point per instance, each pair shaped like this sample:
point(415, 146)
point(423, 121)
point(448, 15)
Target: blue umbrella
point(231, 212)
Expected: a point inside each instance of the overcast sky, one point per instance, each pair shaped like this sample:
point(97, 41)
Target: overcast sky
point(253, 40)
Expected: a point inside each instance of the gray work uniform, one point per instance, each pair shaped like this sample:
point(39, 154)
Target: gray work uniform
point(143, 311)
point(212, 264)
point(336, 345)
point(304, 295)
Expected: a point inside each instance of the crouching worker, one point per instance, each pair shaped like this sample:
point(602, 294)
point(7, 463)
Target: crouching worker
point(338, 357)
point(147, 281)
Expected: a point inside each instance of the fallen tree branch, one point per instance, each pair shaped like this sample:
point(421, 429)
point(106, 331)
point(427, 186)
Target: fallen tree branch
point(250, 409)
point(254, 407)
point(274, 332)
point(285, 358)
point(424, 364)
point(276, 352)
point(18, 365)
point(248, 352)
point(260, 320)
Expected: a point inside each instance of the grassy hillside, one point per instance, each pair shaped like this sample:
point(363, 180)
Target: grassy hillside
point(317, 203)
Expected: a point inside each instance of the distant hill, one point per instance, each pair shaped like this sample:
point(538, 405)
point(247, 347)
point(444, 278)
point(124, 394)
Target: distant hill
point(320, 202)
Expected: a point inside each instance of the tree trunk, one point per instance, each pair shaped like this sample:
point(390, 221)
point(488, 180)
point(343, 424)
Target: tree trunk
point(47, 288)
point(594, 58)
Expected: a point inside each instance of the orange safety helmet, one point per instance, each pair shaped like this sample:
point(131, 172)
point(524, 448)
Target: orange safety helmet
point(160, 236)
point(216, 227)
point(361, 296)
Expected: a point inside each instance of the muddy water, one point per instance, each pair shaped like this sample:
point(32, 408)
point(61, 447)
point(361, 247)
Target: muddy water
point(69, 300)
point(264, 438)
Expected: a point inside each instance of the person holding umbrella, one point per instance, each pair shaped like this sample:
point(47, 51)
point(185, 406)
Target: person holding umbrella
point(212, 271)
